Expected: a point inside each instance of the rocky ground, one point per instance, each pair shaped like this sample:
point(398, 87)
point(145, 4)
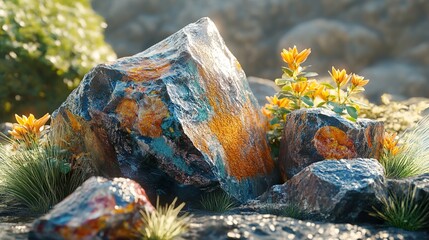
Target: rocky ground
point(244, 225)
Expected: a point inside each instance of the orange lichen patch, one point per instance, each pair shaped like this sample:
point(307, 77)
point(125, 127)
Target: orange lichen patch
point(74, 122)
point(127, 112)
point(151, 116)
point(148, 70)
point(333, 143)
point(242, 138)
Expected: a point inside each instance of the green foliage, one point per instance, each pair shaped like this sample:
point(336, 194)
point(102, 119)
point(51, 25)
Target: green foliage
point(217, 201)
point(37, 177)
point(404, 211)
point(164, 223)
point(412, 157)
point(46, 47)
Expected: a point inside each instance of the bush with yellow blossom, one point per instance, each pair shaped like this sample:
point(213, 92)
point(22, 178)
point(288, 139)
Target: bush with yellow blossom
point(34, 170)
point(28, 129)
point(299, 90)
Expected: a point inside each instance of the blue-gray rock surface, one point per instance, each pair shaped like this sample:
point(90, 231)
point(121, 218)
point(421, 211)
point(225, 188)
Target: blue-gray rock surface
point(179, 118)
point(333, 190)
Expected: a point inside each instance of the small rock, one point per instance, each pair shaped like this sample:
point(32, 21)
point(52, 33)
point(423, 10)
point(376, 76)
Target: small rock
point(400, 187)
point(312, 135)
point(334, 190)
point(99, 209)
point(178, 118)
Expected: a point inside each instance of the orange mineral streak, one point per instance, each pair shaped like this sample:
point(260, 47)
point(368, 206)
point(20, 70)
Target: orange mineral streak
point(243, 159)
point(148, 70)
point(127, 111)
point(333, 143)
point(151, 115)
point(74, 122)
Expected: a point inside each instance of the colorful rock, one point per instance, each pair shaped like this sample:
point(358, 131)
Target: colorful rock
point(312, 135)
point(178, 115)
point(334, 190)
point(99, 209)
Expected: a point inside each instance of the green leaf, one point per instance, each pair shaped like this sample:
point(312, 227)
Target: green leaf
point(307, 100)
point(274, 121)
point(337, 108)
point(329, 86)
point(310, 74)
point(287, 70)
point(283, 81)
point(287, 88)
point(321, 104)
point(352, 112)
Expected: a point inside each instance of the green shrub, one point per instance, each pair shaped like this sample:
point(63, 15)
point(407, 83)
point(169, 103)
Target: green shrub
point(404, 211)
point(37, 177)
point(217, 201)
point(164, 223)
point(46, 47)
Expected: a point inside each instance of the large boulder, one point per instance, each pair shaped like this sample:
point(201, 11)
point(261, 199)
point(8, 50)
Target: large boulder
point(312, 135)
point(99, 209)
point(179, 116)
point(334, 190)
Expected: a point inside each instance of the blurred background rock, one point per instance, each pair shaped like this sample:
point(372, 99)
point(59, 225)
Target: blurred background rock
point(386, 41)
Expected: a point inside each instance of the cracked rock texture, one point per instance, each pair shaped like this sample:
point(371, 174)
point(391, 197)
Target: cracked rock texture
point(333, 190)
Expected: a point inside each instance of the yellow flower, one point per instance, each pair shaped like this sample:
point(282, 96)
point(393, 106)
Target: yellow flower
point(266, 111)
point(28, 127)
point(293, 58)
point(284, 102)
point(322, 93)
point(390, 143)
point(340, 77)
point(299, 87)
point(359, 81)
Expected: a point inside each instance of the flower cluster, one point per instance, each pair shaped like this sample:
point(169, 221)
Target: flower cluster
point(390, 144)
point(299, 90)
point(28, 129)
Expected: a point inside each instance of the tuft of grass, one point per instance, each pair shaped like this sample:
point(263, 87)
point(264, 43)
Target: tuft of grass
point(218, 201)
point(290, 210)
point(164, 223)
point(413, 156)
point(37, 177)
point(404, 211)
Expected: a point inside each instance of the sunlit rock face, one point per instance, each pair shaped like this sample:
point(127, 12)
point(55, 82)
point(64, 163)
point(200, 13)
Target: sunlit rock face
point(334, 190)
point(312, 135)
point(99, 209)
point(179, 116)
